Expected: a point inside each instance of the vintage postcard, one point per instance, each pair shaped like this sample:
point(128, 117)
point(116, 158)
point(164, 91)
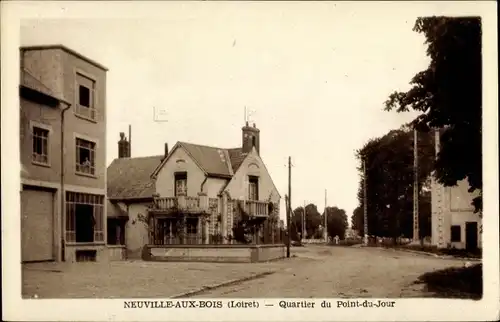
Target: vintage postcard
point(249, 161)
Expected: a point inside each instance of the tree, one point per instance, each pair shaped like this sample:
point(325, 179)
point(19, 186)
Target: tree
point(336, 222)
point(313, 220)
point(357, 220)
point(448, 94)
point(390, 179)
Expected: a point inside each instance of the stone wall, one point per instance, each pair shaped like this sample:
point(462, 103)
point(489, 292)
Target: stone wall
point(217, 253)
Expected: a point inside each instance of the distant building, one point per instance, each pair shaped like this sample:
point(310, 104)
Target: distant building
point(193, 194)
point(62, 221)
point(454, 223)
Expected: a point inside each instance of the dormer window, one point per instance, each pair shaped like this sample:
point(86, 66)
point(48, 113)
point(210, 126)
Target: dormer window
point(180, 184)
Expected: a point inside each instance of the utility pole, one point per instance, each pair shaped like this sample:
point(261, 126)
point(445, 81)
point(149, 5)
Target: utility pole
point(289, 207)
point(304, 221)
point(365, 204)
point(326, 222)
point(415, 187)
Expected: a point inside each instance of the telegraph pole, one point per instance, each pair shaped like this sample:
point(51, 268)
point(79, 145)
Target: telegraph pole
point(304, 221)
point(289, 207)
point(365, 204)
point(415, 187)
point(326, 222)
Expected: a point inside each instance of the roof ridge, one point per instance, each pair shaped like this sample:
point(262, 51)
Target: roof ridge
point(141, 157)
point(202, 145)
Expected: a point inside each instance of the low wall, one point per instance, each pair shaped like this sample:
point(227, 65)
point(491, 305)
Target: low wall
point(313, 241)
point(216, 253)
point(117, 252)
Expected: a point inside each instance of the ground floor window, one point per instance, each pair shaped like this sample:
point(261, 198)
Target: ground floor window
point(84, 217)
point(116, 231)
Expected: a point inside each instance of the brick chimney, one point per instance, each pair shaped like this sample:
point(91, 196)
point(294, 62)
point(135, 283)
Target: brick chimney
point(250, 138)
point(123, 147)
point(166, 150)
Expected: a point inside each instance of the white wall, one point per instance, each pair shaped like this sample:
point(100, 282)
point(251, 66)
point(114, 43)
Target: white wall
point(253, 165)
point(457, 210)
point(179, 161)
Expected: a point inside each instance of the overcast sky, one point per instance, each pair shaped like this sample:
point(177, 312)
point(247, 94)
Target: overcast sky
point(316, 75)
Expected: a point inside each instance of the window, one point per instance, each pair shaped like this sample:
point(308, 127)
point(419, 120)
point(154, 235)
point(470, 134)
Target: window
point(116, 231)
point(40, 145)
point(85, 156)
point(455, 233)
point(85, 93)
point(83, 96)
point(84, 217)
point(181, 184)
point(253, 188)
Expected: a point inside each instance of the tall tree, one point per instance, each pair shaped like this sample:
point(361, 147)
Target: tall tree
point(448, 94)
point(313, 220)
point(390, 179)
point(357, 220)
point(336, 222)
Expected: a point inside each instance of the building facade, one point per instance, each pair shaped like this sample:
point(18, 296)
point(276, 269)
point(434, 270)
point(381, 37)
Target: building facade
point(454, 223)
point(193, 194)
point(63, 153)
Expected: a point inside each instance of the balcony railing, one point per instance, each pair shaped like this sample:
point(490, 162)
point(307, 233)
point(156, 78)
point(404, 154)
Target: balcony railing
point(181, 203)
point(165, 203)
point(256, 208)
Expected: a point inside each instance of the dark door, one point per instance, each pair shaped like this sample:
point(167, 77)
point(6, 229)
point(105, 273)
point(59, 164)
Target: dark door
point(85, 222)
point(471, 235)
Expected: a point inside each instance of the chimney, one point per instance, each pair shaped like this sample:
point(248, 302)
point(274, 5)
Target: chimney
point(123, 147)
point(166, 150)
point(250, 138)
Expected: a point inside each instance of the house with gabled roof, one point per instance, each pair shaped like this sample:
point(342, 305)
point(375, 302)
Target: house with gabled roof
point(192, 194)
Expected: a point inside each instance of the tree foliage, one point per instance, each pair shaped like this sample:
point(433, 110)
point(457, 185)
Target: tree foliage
point(448, 95)
point(357, 220)
point(390, 178)
point(336, 222)
point(313, 220)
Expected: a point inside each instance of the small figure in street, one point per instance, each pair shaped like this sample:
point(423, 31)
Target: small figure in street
point(337, 239)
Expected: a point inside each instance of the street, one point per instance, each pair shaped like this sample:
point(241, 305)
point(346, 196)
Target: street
point(313, 271)
point(342, 272)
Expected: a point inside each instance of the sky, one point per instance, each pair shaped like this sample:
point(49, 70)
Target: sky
point(315, 76)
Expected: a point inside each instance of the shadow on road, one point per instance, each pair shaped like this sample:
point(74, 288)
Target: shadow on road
point(461, 282)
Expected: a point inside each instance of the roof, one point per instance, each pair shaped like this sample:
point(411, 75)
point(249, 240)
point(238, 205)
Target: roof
point(214, 161)
point(134, 178)
point(236, 156)
point(66, 49)
point(114, 211)
point(130, 178)
point(33, 83)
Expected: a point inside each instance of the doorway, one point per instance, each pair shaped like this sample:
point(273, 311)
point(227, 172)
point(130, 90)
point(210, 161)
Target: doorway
point(471, 235)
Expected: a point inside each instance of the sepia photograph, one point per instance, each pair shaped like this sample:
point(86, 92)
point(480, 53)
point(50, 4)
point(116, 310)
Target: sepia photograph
point(225, 153)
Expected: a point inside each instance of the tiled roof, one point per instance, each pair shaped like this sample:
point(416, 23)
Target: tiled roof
point(236, 157)
point(130, 178)
point(213, 160)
